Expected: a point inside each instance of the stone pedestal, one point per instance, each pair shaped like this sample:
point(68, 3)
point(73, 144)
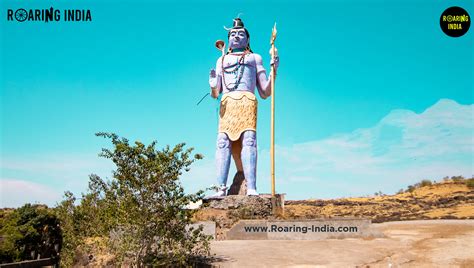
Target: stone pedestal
point(258, 205)
point(227, 211)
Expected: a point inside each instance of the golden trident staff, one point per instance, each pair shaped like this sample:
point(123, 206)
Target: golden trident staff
point(272, 122)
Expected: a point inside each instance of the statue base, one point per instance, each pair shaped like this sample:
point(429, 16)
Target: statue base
point(226, 211)
point(256, 205)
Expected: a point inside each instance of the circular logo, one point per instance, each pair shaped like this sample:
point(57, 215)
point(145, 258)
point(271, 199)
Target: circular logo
point(455, 21)
point(21, 15)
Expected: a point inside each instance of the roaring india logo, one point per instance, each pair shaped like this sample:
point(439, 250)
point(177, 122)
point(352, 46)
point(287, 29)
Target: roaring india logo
point(50, 14)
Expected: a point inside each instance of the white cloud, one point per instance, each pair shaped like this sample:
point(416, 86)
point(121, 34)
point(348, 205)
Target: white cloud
point(53, 163)
point(52, 173)
point(15, 193)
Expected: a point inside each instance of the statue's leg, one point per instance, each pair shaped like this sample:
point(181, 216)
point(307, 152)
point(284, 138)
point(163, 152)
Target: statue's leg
point(249, 159)
point(223, 153)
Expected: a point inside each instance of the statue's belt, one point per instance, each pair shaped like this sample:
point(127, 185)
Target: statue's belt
point(238, 113)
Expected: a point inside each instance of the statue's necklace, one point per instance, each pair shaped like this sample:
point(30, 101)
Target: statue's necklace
point(238, 71)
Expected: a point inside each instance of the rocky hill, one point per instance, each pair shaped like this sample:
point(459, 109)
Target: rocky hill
point(446, 200)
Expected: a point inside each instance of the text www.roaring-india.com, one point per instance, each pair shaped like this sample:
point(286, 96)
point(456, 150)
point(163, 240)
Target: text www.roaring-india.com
point(300, 229)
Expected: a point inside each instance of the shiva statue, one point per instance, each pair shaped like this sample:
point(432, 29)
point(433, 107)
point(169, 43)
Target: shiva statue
point(238, 71)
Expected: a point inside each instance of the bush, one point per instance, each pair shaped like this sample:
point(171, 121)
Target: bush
point(424, 183)
point(457, 178)
point(29, 232)
point(470, 183)
point(72, 237)
point(141, 211)
point(379, 193)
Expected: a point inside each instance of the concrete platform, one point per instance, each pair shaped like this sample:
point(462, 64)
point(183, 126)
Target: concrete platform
point(314, 229)
point(428, 243)
point(209, 227)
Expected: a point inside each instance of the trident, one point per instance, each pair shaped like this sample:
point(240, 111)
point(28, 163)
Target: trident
point(273, 52)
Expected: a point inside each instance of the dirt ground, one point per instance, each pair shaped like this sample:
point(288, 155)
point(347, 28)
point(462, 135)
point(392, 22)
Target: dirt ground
point(421, 243)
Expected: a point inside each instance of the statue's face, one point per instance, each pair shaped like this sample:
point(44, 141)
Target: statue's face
point(238, 39)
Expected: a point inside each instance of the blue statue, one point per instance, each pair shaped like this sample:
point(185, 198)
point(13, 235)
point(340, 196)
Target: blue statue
point(238, 71)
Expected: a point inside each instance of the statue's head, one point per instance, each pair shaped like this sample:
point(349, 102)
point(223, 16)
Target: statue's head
point(239, 37)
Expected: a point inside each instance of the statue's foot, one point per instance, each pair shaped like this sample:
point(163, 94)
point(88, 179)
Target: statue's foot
point(221, 192)
point(252, 192)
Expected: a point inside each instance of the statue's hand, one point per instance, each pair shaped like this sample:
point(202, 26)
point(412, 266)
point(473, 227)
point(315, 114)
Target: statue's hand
point(275, 62)
point(212, 78)
point(212, 74)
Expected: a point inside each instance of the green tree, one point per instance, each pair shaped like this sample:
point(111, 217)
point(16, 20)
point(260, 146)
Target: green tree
point(29, 232)
point(141, 210)
point(72, 237)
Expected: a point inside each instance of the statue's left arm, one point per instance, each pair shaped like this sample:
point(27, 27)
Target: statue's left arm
point(264, 84)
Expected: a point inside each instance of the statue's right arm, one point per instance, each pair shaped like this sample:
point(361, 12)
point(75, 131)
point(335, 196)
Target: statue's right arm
point(215, 79)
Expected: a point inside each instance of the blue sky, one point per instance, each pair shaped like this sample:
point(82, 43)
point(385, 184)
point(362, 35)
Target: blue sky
point(357, 79)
